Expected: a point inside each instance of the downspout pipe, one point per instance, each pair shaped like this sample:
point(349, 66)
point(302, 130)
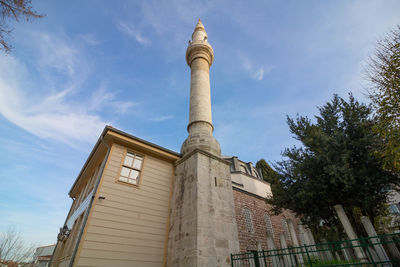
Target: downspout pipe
point(103, 164)
point(58, 241)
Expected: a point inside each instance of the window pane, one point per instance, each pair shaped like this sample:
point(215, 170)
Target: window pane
point(394, 209)
point(123, 179)
point(125, 171)
point(134, 174)
point(128, 161)
point(139, 157)
point(132, 181)
point(130, 154)
point(137, 164)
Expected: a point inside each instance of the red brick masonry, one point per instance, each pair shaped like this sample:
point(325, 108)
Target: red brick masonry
point(258, 208)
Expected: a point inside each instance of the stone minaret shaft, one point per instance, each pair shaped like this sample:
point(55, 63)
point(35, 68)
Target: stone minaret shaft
point(202, 229)
point(199, 57)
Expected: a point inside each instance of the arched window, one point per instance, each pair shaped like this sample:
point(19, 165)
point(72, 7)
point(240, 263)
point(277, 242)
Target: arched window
point(286, 229)
point(248, 220)
point(268, 223)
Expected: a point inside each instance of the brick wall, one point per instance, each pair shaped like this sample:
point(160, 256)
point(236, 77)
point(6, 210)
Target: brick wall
point(258, 207)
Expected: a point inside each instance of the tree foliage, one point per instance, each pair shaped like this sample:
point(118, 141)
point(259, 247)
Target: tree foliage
point(13, 249)
point(269, 174)
point(13, 10)
point(334, 165)
point(384, 74)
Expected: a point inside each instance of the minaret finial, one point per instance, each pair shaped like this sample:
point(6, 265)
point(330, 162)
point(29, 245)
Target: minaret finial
point(199, 25)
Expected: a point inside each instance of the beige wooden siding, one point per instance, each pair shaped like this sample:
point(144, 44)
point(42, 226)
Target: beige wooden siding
point(128, 228)
point(63, 252)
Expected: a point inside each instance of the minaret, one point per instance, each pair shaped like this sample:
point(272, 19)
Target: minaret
point(202, 229)
point(199, 57)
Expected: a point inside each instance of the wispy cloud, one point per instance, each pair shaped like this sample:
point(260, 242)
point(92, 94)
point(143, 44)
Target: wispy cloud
point(90, 39)
point(256, 73)
point(161, 118)
point(132, 32)
point(52, 117)
point(52, 109)
point(58, 54)
point(102, 98)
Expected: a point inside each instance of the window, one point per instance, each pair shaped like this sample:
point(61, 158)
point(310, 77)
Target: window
point(248, 220)
point(268, 223)
point(130, 171)
point(394, 209)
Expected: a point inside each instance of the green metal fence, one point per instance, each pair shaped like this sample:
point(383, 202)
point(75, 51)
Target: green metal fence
point(382, 250)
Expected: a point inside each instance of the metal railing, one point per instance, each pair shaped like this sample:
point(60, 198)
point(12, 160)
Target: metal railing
point(381, 250)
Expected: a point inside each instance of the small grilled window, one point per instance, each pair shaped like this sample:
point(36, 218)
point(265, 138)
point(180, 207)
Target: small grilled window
point(286, 229)
point(249, 220)
point(268, 223)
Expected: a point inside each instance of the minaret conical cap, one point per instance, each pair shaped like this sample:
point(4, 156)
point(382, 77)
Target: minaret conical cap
point(199, 26)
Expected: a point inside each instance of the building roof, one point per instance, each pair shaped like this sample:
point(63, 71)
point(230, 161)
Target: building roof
point(45, 251)
point(247, 178)
point(107, 129)
point(245, 168)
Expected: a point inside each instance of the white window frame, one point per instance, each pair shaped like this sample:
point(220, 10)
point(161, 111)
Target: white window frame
point(129, 167)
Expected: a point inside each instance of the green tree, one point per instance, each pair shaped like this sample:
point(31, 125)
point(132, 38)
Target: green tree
point(13, 10)
point(334, 165)
point(384, 74)
point(269, 174)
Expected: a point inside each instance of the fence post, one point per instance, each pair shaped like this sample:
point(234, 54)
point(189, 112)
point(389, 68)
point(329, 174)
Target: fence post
point(255, 256)
point(365, 246)
point(348, 229)
point(369, 228)
point(264, 258)
point(391, 245)
point(308, 256)
point(292, 232)
point(284, 248)
point(232, 260)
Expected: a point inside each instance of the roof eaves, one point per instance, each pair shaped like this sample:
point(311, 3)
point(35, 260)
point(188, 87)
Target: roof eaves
point(110, 128)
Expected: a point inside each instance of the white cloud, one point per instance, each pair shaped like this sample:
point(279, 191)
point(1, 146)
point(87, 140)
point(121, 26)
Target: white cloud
point(162, 118)
point(90, 39)
point(52, 117)
point(57, 54)
point(52, 109)
point(256, 73)
point(130, 31)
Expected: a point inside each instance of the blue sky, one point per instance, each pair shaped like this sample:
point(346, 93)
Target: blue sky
point(91, 63)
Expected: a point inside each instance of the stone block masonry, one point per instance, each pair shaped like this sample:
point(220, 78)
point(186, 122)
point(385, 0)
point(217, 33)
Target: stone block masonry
point(203, 230)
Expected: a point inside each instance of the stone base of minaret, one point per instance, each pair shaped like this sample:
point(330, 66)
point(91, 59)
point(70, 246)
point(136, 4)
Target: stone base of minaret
point(201, 137)
point(203, 230)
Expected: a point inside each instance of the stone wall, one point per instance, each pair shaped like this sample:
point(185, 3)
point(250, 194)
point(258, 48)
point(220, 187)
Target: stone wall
point(203, 229)
point(258, 208)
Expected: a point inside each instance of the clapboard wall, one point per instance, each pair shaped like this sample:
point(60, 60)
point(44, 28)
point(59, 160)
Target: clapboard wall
point(128, 227)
